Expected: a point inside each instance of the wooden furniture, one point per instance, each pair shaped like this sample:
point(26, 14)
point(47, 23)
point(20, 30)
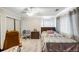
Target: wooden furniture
point(0, 50)
point(47, 28)
point(12, 39)
point(34, 35)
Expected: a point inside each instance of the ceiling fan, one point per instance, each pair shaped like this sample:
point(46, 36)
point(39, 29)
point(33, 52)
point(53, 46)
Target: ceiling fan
point(29, 11)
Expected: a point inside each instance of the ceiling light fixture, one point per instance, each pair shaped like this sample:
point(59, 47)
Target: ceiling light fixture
point(47, 17)
point(57, 10)
point(30, 11)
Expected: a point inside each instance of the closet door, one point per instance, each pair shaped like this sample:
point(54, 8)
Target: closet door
point(9, 24)
point(0, 32)
point(58, 24)
point(17, 25)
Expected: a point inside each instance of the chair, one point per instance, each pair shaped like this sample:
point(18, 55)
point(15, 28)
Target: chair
point(26, 34)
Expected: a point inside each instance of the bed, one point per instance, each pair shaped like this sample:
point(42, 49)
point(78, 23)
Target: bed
point(55, 42)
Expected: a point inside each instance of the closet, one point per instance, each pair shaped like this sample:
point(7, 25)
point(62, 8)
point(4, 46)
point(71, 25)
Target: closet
point(0, 33)
point(10, 24)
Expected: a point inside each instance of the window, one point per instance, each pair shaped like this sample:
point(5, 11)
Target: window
point(48, 22)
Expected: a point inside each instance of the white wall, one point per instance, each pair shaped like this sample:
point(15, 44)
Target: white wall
point(3, 30)
point(35, 22)
point(31, 23)
point(4, 13)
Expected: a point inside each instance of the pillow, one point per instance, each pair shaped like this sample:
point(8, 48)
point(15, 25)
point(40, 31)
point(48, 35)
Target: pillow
point(57, 34)
point(44, 33)
point(50, 31)
point(69, 36)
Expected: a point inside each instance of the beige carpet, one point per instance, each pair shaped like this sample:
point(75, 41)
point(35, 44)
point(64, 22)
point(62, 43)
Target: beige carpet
point(28, 45)
point(31, 45)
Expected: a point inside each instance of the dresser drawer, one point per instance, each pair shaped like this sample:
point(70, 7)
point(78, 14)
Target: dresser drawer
point(34, 35)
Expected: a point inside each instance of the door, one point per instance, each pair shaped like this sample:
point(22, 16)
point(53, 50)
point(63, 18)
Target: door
point(9, 24)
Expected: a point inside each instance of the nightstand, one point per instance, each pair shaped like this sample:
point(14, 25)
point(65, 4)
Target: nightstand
point(34, 35)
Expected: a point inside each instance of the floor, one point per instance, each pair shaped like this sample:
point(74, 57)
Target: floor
point(28, 45)
point(31, 45)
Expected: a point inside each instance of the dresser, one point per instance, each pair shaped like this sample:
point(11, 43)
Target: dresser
point(35, 35)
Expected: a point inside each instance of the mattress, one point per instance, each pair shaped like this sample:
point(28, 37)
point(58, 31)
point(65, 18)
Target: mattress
point(59, 40)
point(58, 43)
point(56, 38)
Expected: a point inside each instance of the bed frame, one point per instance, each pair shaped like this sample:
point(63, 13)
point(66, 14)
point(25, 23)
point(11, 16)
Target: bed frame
point(59, 47)
point(47, 28)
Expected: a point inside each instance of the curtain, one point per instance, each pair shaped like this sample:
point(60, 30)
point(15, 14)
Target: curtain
point(58, 24)
point(69, 23)
point(74, 23)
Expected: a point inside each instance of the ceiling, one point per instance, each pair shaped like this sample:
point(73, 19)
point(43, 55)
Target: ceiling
point(37, 11)
point(15, 9)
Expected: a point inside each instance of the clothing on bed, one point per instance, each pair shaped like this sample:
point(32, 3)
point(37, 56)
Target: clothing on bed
point(57, 42)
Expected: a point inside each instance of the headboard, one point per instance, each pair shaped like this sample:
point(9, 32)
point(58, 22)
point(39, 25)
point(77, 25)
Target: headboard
point(47, 28)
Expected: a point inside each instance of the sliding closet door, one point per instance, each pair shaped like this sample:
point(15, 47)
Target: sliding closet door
point(75, 24)
point(58, 24)
point(17, 25)
point(0, 32)
point(9, 24)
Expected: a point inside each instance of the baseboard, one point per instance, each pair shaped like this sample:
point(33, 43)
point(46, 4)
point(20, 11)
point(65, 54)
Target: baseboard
point(1, 50)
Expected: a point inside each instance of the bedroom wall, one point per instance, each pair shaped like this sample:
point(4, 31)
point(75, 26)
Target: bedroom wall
point(70, 24)
point(31, 23)
point(4, 13)
point(34, 22)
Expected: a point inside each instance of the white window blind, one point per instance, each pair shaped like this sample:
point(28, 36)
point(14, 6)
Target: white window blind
point(48, 22)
